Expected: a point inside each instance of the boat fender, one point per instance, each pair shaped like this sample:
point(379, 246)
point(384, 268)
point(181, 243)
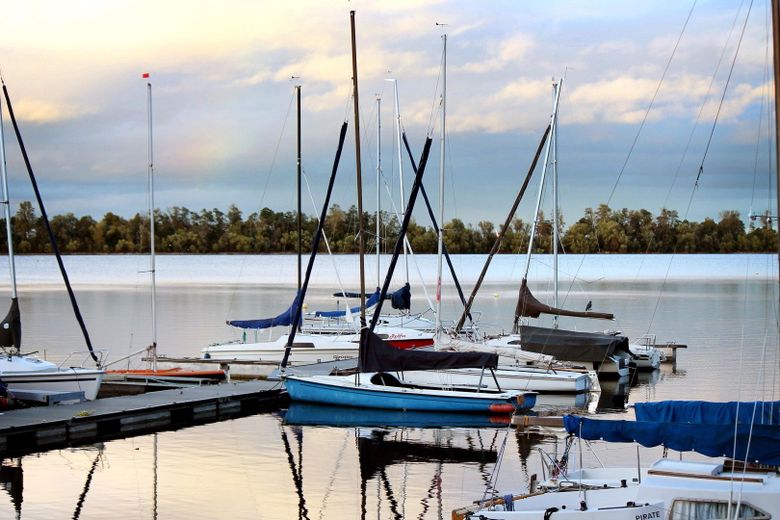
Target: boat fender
point(623, 483)
point(583, 505)
point(549, 511)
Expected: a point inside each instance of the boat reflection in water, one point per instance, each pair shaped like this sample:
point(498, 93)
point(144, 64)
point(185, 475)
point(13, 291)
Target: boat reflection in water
point(309, 414)
point(614, 395)
point(12, 481)
point(417, 443)
point(379, 448)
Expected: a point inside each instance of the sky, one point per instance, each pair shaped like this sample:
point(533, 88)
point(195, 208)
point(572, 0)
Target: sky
point(223, 75)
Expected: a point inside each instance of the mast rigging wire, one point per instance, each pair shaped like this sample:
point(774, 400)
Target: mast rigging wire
point(652, 102)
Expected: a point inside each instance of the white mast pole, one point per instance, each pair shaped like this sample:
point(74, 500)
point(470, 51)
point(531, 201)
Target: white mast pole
point(7, 208)
point(378, 186)
point(397, 109)
point(150, 170)
point(440, 248)
point(555, 237)
point(553, 121)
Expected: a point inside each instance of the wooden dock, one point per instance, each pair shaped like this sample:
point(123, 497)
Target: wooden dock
point(50, 427)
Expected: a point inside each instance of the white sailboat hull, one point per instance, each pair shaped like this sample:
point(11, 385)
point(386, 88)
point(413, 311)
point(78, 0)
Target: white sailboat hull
point(314, 348)
point(670, 489)
point(24, 373)
point(526, 379)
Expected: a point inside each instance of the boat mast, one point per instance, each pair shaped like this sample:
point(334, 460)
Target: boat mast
point(555, 204)
point(440, 246)
point(298, 185)
point(358, 174)
point(776, 53)
point(7, 209)
point(553, 124)
point(150, 171)
point(398, 137)
point(378, 184)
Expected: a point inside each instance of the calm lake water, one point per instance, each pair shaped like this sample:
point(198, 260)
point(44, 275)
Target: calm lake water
point(277, 466)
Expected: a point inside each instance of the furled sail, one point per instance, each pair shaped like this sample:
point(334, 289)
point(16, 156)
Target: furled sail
point(285, 319)
point(529, 307)
point(11, 327)
point(370, 302)
point(683, 427)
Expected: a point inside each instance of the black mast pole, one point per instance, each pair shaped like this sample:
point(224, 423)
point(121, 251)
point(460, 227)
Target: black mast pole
point(503, 231)
point(445, 252)
point(399, 243)
point(49, 231)
point(314, 248)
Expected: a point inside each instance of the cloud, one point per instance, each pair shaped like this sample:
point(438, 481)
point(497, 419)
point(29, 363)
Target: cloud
point(42, 111)
point(507, 52)
point(255, 79)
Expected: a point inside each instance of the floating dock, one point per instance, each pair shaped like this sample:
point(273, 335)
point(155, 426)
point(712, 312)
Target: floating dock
point(49, 427)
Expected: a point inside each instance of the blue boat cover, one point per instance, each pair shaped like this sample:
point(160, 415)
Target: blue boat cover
point(370, 302)
point(707, 412)
point(402, 298)
point(706, 428)
point(285, 319)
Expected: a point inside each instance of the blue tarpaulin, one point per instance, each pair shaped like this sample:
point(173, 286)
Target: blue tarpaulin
point(706, 412)
point(285, 319)
point(370, 302)
point(703, 427)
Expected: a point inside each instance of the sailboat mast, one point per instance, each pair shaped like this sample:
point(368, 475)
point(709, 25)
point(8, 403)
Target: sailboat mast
point(378, 194)
point(358, 173)
point(150, 171)
point(440, 248)
point(400, 168)
point(555, 204)
point(553, 123)
point(776, 53)
point(7, 209)
point(298, 183)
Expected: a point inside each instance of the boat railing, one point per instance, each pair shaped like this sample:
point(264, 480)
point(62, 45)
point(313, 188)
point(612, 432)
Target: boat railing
point(647, 340)
point(81, 359)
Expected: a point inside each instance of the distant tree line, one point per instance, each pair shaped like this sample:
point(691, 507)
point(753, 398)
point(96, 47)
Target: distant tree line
point(180, 230)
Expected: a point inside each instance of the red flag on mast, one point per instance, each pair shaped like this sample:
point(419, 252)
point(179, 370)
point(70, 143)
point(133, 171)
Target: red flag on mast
point(145, 75)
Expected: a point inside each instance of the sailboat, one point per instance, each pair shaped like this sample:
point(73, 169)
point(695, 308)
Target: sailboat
point(144, 376)
point(374, 386)
point(322, 336)
point(26, 376)
point(509, 374)
point(606, 354)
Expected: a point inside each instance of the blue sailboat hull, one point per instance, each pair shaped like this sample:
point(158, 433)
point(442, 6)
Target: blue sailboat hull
point(392, 398)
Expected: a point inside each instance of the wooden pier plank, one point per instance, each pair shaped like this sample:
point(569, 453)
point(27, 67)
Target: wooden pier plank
point(36, 429)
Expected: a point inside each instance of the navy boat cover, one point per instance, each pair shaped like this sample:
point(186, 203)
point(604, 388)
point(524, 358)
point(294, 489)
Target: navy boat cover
point(705, 427)
point(285, 319)
point(378, 356)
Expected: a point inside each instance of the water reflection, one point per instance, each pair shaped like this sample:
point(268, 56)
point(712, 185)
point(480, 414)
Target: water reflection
point(414, 447)
point(300, 413)
point(87, 483)
point(614, 395)
point(12, 481)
